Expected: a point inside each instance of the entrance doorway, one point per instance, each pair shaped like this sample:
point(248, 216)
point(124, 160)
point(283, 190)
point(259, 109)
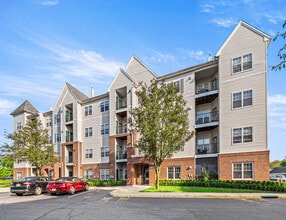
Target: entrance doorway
point(145, 174)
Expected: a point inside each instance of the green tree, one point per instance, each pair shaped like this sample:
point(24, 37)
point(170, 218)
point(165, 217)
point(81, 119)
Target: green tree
point(161, 119)
point(282, 52)
point(31, 144)
point(6, 168)
point(283, 163)
point(275, 164)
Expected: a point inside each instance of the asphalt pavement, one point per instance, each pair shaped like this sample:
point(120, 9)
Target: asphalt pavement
point(134, 191)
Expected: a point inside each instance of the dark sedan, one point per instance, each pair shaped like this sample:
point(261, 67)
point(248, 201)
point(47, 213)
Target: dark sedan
point(67, 185)
point(29, 185)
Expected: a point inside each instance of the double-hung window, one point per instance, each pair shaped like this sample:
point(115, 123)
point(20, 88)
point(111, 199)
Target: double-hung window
point(242, 99)
point(242, 135)
point(19, 126)
point(88, 153)
point(104, 151)
point(174, 172)
point(104, 174)
point(88, 110)
point(104, 106)
point(89, 174)
point(88, 132)
point(242, 63)
point(242, 170)
point(104, 129)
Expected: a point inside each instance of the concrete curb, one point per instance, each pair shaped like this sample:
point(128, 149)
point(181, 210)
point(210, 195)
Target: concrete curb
point(197, 195)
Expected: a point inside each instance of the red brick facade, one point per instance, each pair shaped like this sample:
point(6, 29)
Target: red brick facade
point(260, 160)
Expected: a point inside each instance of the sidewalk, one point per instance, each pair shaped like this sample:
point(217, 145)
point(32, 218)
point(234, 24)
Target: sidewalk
point(134, 191)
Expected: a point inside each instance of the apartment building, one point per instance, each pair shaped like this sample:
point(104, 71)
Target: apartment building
point(227, 101)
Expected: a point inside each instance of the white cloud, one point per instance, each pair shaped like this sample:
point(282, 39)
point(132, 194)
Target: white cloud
point(7, 106)
point(207, 8)
point(48, 2)
point(277, 111)
point(197, 55)
point(224, 22)
point(160, 57)
point(277, 99)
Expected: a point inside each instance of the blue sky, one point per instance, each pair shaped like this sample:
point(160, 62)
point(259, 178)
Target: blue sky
point(44, 43)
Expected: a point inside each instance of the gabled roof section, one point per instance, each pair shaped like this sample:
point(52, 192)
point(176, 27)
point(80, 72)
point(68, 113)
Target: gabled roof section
point(78, 94)
point(124, 73)
point(133, 57)
point(251, 28)
point(26, 106)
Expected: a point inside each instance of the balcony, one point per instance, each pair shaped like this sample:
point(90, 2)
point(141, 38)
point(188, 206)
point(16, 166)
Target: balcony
point(206, 92)
point(204, 149)
point(210, 168)
point(121, 155)
point(206, 120)
point(69, 159)
point(121, 128)
point(69, 136)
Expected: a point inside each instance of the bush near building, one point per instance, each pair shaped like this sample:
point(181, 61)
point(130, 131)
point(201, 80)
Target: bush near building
point(272, 186)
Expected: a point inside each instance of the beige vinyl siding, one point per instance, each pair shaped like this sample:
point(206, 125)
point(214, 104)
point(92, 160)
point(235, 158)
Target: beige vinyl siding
point(96, 141)
point(255, 79)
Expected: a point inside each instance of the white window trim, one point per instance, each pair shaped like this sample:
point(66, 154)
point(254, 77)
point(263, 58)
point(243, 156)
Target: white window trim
point(242, 106)
point(242, 135)
point(241, 64)
point(242, 171)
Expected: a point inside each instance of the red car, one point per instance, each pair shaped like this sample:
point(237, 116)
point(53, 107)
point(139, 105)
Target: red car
point(67, 185)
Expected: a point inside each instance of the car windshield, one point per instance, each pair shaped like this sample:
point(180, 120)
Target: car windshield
point(62, 179)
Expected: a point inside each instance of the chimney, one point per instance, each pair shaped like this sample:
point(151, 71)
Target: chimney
point(91, 92)
point(210, 57)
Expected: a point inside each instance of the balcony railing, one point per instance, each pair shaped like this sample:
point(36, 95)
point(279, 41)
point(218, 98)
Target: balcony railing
point(207, 87)
point(69, 159)
point(207, 148)
point(200, 169)
point(121, 129)
point(206, 117)
point(121, 155)
point(121, 103)
point(69, 138)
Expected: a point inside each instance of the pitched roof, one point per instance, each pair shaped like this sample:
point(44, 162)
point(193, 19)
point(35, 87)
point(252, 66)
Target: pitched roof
point(278, 170)
point(78, 94)
point(265, 36)
point(26, 106)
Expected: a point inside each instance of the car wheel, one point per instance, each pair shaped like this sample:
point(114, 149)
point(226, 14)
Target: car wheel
point(38, 190)
point(86, 188)
point(72, 190)
point(19, 194)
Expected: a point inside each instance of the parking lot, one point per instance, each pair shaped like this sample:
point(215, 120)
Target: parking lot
point(99, 204)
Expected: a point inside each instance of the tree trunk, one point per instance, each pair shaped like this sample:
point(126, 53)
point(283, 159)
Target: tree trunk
point(38, 171)
point(157, 175)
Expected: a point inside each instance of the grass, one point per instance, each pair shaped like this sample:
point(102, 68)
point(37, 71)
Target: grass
point(198, 189)
point(5, 183)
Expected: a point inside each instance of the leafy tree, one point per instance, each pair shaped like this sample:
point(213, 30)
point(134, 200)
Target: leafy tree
point(282, 52)
point(161, 119)
point(31, 144)
point(275, 164)
point(6, 168)
point(283, 163)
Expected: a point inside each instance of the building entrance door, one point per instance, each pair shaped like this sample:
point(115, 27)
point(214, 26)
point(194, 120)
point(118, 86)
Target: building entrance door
point(145, 174)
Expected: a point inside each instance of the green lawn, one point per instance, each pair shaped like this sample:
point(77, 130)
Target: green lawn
point(198, 189)
point(5, 183)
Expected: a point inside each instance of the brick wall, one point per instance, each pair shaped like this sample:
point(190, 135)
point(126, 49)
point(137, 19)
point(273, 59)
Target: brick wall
point(260, 160)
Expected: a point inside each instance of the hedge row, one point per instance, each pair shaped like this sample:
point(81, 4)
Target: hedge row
point(254, 185)
point(106, 182)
